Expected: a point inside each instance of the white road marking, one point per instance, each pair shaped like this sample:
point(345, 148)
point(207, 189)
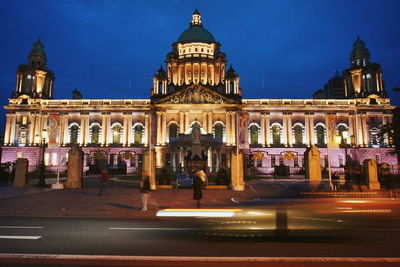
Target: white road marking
point(78, 258)
point(151, 228)
point(234, 200)
point(318, 219)
point(20, 227)
point(251, 188)
point(30, 237)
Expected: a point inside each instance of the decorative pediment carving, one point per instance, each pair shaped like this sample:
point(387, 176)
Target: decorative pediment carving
point(196, 95)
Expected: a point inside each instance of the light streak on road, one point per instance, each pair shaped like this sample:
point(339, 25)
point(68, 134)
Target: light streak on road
point(216, 213)
point(19, 237)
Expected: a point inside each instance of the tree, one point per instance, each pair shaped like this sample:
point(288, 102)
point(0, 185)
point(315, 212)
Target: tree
point(391, 132)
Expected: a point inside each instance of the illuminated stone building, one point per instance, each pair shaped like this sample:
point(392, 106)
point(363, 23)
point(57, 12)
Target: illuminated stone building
point(197, 87)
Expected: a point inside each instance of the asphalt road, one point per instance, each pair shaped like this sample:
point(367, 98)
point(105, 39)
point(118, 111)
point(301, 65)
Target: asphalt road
point(370, 234)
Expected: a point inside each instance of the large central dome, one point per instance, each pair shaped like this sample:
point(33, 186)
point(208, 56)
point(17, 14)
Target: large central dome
point(196, 32)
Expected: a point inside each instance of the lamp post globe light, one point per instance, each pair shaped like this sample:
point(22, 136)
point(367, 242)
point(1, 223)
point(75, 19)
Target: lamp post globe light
point(42, 166)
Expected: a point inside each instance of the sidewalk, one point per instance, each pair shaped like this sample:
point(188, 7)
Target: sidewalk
point(124, 199)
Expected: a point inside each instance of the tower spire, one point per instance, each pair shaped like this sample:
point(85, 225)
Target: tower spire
point(196, 18)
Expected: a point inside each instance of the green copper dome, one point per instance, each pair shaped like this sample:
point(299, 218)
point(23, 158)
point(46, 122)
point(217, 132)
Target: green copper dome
point(38, 49)
point(196, 32)
point(359, 48)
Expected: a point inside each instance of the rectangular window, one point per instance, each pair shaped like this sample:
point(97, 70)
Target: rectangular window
point(378, 158)
point(54, 161)
point(46, 159)
point(259, 163)
point(341, 160)
point(19, 155)
point(326, 161)
point(273, 162)
point(223, 160)
point(296, 161)
point(281, 161)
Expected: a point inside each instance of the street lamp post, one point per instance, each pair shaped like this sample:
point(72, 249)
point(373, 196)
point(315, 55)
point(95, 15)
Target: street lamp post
point(42, 166)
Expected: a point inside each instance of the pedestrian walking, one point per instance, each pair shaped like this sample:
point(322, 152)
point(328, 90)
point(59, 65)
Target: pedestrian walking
point(335, 181)
point(144, 192)
point(198, 186)
point(104, 181)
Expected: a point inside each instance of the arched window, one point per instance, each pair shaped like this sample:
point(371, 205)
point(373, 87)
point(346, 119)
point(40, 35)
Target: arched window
point(218, 131)
point(173, 131)
point(22, 136)
point(341, 129)
point(95, 134)
point(320, 134)
point(116, 133)
point(138, 134)
point(374, 139)
point(254, 134)
point(298, 134)
point(74, 132)
point(276, 134)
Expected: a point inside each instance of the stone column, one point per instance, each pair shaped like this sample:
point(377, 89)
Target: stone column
point(103, 129)
point(307, 129)
point(209, 159)
point(8, 130)
point(262, 131)
point(164, 127)
point(228, 128)
point(44, 124)
point(12, 129)
point(31, 129)
point(66, 121)
point(289, 131)
point(82, 130)
point(146, 129)
point(187, 125)
point(359, 132)
point(351, 126)
point(312, 134)
point(233, 127)
point(107, 131)
point(181, 122)
point(158, 128)
point(210, 122)
point(284, 129)
point(129, 130)
point(205, 121)
point(267, 130)
point(365, 130)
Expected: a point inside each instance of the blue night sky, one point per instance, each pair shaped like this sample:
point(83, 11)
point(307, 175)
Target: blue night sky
point(281, 49)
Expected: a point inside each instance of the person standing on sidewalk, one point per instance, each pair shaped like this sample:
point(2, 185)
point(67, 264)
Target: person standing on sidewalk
point(198, 186)
point(104, 181)
point(144, 192)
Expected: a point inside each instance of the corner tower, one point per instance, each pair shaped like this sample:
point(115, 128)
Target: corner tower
point(196, 58)
point(362, 78)
point(34, 79)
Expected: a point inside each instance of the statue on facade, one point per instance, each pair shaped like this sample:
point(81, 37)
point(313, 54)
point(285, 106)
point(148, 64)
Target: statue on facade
point(196, 133)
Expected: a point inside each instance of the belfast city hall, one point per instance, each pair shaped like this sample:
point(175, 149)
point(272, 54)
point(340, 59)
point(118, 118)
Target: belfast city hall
point(198, 90)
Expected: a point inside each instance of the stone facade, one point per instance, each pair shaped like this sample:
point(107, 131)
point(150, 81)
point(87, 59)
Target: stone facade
point(196, 89)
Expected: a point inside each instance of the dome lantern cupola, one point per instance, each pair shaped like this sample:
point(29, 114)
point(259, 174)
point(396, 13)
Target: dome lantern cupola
point(360, 56)
point(196, 33)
